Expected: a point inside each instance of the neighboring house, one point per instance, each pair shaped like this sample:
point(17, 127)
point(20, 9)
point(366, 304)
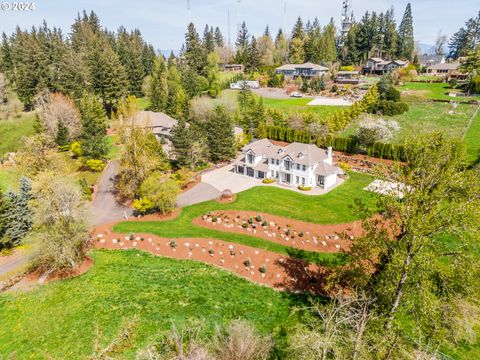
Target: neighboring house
point(233, 67)
point(430, 60)
point(161, 126)
point(249, 84)
point(348, 77)
point(377, 65)
point(296, 164)
point(307, 70)
point(445, 69)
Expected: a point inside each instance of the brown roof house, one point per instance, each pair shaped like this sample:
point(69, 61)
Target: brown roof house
point(307, 70)
point(376, 65)
point(296, 164)
point(444, 69)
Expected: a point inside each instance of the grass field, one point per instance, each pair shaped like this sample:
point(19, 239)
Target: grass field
point(12, 131)
point(299, 105)
point(59, 320)
point(431, 91)
point(332, 208)
point(425, 117)
point(472, 140)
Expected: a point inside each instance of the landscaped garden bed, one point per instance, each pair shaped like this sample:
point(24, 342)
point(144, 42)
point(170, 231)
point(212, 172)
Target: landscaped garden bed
point(298, 234)
point(260, 266)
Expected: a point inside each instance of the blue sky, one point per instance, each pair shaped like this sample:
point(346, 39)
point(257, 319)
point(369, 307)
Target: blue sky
point(163, 23)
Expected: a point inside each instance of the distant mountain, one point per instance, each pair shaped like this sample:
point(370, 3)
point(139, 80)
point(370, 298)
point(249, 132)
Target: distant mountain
point(426, 48)
point(167, 52)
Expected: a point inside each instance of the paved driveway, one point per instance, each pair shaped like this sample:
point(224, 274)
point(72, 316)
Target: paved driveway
point(224, 178)
point(199, 193)
point(105, 208)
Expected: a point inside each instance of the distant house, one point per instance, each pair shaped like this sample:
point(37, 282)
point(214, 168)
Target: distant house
point(445, 69)
point(233, 67)
point(161, 126)
point(429, 60)
point(249, 84)
point(307, 70)
point(296, 164)
point(347, 77)
point(377, 65)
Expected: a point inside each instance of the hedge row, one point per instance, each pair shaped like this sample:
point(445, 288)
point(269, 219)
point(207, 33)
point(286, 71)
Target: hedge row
point(344, 144)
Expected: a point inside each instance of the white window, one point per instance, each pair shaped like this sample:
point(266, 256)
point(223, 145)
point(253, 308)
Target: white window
point(273, 174)
point(298, 166)
point(297, 180)
point(303, 181)
point(278, 162)
point(272, 161)
point(304, 167)
point(250, 158)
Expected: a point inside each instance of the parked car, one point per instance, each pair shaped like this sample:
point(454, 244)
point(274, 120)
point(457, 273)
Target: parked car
point(296, 94)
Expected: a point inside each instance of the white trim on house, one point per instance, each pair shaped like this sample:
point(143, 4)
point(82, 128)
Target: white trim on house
point(296, 164)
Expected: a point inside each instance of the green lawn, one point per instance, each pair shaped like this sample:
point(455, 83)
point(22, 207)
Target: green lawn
point(59, 320)
point(9, 178)
point(472, 140)
point(300, 105)
point(424, 117)
point(430, 91)
point(143, 103)
point(114, 150)
point(332, 208)
point(13, 130)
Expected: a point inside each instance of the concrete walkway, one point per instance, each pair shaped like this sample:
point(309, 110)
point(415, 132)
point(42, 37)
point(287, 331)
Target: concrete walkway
point(105, 208)
point(199, 193)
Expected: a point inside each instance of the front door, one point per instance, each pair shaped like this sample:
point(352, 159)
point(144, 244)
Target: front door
point(287, 178)
point(250, 172)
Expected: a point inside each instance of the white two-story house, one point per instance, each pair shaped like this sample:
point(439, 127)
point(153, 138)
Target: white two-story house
point(296, 164)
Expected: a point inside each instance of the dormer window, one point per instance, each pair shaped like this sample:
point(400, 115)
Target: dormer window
point(301, 155)
point(250, 158)
point(280, 151)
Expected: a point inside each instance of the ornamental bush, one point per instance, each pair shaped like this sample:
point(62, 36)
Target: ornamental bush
point(143, 205)
point(95, 165)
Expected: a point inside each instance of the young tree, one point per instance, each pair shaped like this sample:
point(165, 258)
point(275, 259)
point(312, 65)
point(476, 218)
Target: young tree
point(94, 122)
point(213, 75)
point(410, 269)
point(61, 232)
point(406, 42)
point(161, 191)
point(221, 138)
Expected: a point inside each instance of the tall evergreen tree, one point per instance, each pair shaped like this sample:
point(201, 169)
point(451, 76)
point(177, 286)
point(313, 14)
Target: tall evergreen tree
point(254, 58)
point(208, 41)
point(17, 215)
point(221, 138)
point(94, 122)
point(218, 37)
point(194, 53)
point(159, 85)
point(406, 42)
point(242, 45)
point(182, 143)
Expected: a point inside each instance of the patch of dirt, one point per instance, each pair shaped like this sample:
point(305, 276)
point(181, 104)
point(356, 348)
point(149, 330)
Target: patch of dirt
point(227, 200)
point(259, 266)
point(32, 280)
point(192, 183)
point(285, 231)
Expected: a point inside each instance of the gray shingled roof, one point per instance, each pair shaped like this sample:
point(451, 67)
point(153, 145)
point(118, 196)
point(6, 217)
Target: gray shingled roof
point(307, 65)
point(325, 169)
point(446, 66)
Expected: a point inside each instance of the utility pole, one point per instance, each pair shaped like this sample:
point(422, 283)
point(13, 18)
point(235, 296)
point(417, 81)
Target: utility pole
point(347, 21)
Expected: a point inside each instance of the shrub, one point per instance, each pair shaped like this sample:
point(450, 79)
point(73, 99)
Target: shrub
point(258, 218)
point(161, 190)
point(264, 223)
point(345, 167)
point(263, 269)
point(392, 94)
point(247, 262)
point(173, 244)
point(85, 188)
point(250, 221)
point(301, 234)
point(131, 237)
point(76, 149)
point(244, 225)
point(232, 252)
point(211, 251)
point(304, 188)
point(95, 165)
point(143, 205)
point(214, 219)
point(389, 108)
point(268, 181)
point(287, 232)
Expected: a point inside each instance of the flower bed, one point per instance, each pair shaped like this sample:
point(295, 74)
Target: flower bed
point(298, 234)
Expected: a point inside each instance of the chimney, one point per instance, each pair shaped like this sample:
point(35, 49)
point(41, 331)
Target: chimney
point(329, 152)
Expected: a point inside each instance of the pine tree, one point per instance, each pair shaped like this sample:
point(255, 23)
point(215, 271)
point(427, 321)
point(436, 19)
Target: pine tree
point(298, 31)
point(218, 37)
point(94, 122)
point(254, 59)
point(158, 85)
point(242, 45)
point(4, 210)
point(62, 137)
point(5, 56)
point(405, 35)
point(194, 53)
point(208, 41)
point(182, 143)
point(17, 214)
point(221, 138)
point(130, 48)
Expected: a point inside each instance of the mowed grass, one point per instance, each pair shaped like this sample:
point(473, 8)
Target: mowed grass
point(472, 140)
point(333, 208)
point(13, 130)
point(424, 117)
point(299, 105)
point(59, 320)
point(413, 91)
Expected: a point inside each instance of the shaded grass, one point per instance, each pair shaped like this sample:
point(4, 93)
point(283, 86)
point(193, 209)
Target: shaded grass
point(332, 208)
point(59, 320)
point(13, 130)
point(431, 91)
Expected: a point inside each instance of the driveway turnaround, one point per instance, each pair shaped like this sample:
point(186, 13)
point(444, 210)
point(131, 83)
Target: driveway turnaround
point(199, 193)
point(105, 208)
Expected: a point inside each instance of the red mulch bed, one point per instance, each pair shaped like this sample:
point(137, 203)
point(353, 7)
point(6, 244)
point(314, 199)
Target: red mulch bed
point(282, 272)
point(316, 237)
